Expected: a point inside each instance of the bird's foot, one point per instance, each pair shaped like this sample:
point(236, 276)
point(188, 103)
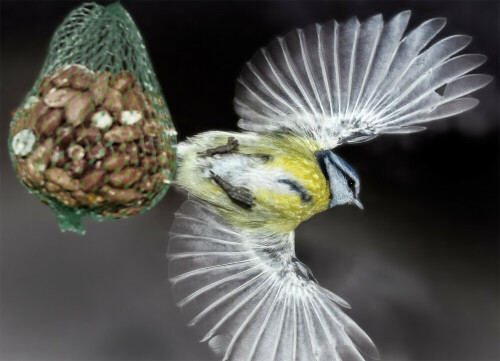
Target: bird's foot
point(232, 145)
point(241, 195)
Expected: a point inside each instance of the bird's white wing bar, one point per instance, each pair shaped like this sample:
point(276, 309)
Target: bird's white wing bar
point(350, 81)
point(251, 299)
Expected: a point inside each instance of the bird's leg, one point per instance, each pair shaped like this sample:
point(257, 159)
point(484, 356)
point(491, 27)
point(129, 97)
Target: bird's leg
point(239, 194)
point(232, 144)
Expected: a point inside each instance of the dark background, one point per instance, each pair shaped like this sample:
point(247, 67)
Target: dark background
point(420, 265)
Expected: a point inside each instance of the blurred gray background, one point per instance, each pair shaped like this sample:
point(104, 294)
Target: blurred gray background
point(419, 266)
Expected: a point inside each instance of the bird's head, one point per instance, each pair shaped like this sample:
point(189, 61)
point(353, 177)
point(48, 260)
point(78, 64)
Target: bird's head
point(343, 180)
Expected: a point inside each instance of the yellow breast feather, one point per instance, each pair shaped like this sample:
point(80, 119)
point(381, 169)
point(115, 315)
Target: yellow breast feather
point(273, 211)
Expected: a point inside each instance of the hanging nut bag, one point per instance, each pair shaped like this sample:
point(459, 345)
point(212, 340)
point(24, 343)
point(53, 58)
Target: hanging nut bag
point(94, 136)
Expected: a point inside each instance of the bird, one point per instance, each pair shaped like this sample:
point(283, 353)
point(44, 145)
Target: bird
point(232, 261)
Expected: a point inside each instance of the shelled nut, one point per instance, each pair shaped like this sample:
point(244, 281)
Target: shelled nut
point(87, 139)
point(62, 178)
point(82, 80)
point(93, 179)
point(59, 97)
point(49, 122)
point(122, 196)
point(75, 152)
point(77, 167)
point(97, 151)
point(90, 134)
point(78, 108)
point(122, 134)
point(125, 177)
point(115, 161)
point(100, 87)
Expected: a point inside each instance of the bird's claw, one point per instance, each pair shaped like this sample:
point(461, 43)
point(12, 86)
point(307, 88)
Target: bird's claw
point(239, 194)
point(232, 145)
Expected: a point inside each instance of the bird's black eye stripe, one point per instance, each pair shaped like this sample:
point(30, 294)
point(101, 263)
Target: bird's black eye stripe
point(302, 192)
point(321, 157)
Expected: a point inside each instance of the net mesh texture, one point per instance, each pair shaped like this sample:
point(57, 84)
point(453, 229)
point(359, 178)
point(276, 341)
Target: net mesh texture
point(94, 136)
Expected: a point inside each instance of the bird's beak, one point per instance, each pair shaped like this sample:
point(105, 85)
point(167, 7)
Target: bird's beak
point(358, 203)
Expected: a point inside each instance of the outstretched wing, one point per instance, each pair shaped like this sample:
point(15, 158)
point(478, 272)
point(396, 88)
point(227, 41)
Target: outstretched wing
point(350, 81)
point(251, 299)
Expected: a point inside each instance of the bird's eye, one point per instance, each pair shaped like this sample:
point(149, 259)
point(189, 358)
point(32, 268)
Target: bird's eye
point(350, 183)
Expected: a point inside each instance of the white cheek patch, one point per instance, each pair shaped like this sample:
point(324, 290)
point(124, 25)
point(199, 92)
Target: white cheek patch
point(339, 189)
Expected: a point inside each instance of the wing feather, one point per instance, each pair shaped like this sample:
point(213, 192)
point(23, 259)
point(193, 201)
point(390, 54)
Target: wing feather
point(384, 55)
point(407, 51)
point(432, 80)
point(466, 85)
point(435, 55)
point(371, 31)
point(324, 69)
point(348, 37)
point(351, 81)
point(308, 69)
point(250, 298)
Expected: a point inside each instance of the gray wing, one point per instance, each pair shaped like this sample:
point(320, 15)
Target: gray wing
point(350, 81)
point(251, 299)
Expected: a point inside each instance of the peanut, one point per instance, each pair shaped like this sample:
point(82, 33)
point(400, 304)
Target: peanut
point(62, 178)
point(125, 177)
point(122, 196)
point(59, 97)
point(78, 108)
point(92, 179)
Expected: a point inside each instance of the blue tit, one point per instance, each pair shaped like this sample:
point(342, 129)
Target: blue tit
point(232, 256)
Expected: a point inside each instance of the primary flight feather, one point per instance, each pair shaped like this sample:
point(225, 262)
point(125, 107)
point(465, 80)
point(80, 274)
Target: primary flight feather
point(232, 261)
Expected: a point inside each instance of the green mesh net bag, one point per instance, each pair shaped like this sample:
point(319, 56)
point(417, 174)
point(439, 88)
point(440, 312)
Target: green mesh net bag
point(94, 136)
